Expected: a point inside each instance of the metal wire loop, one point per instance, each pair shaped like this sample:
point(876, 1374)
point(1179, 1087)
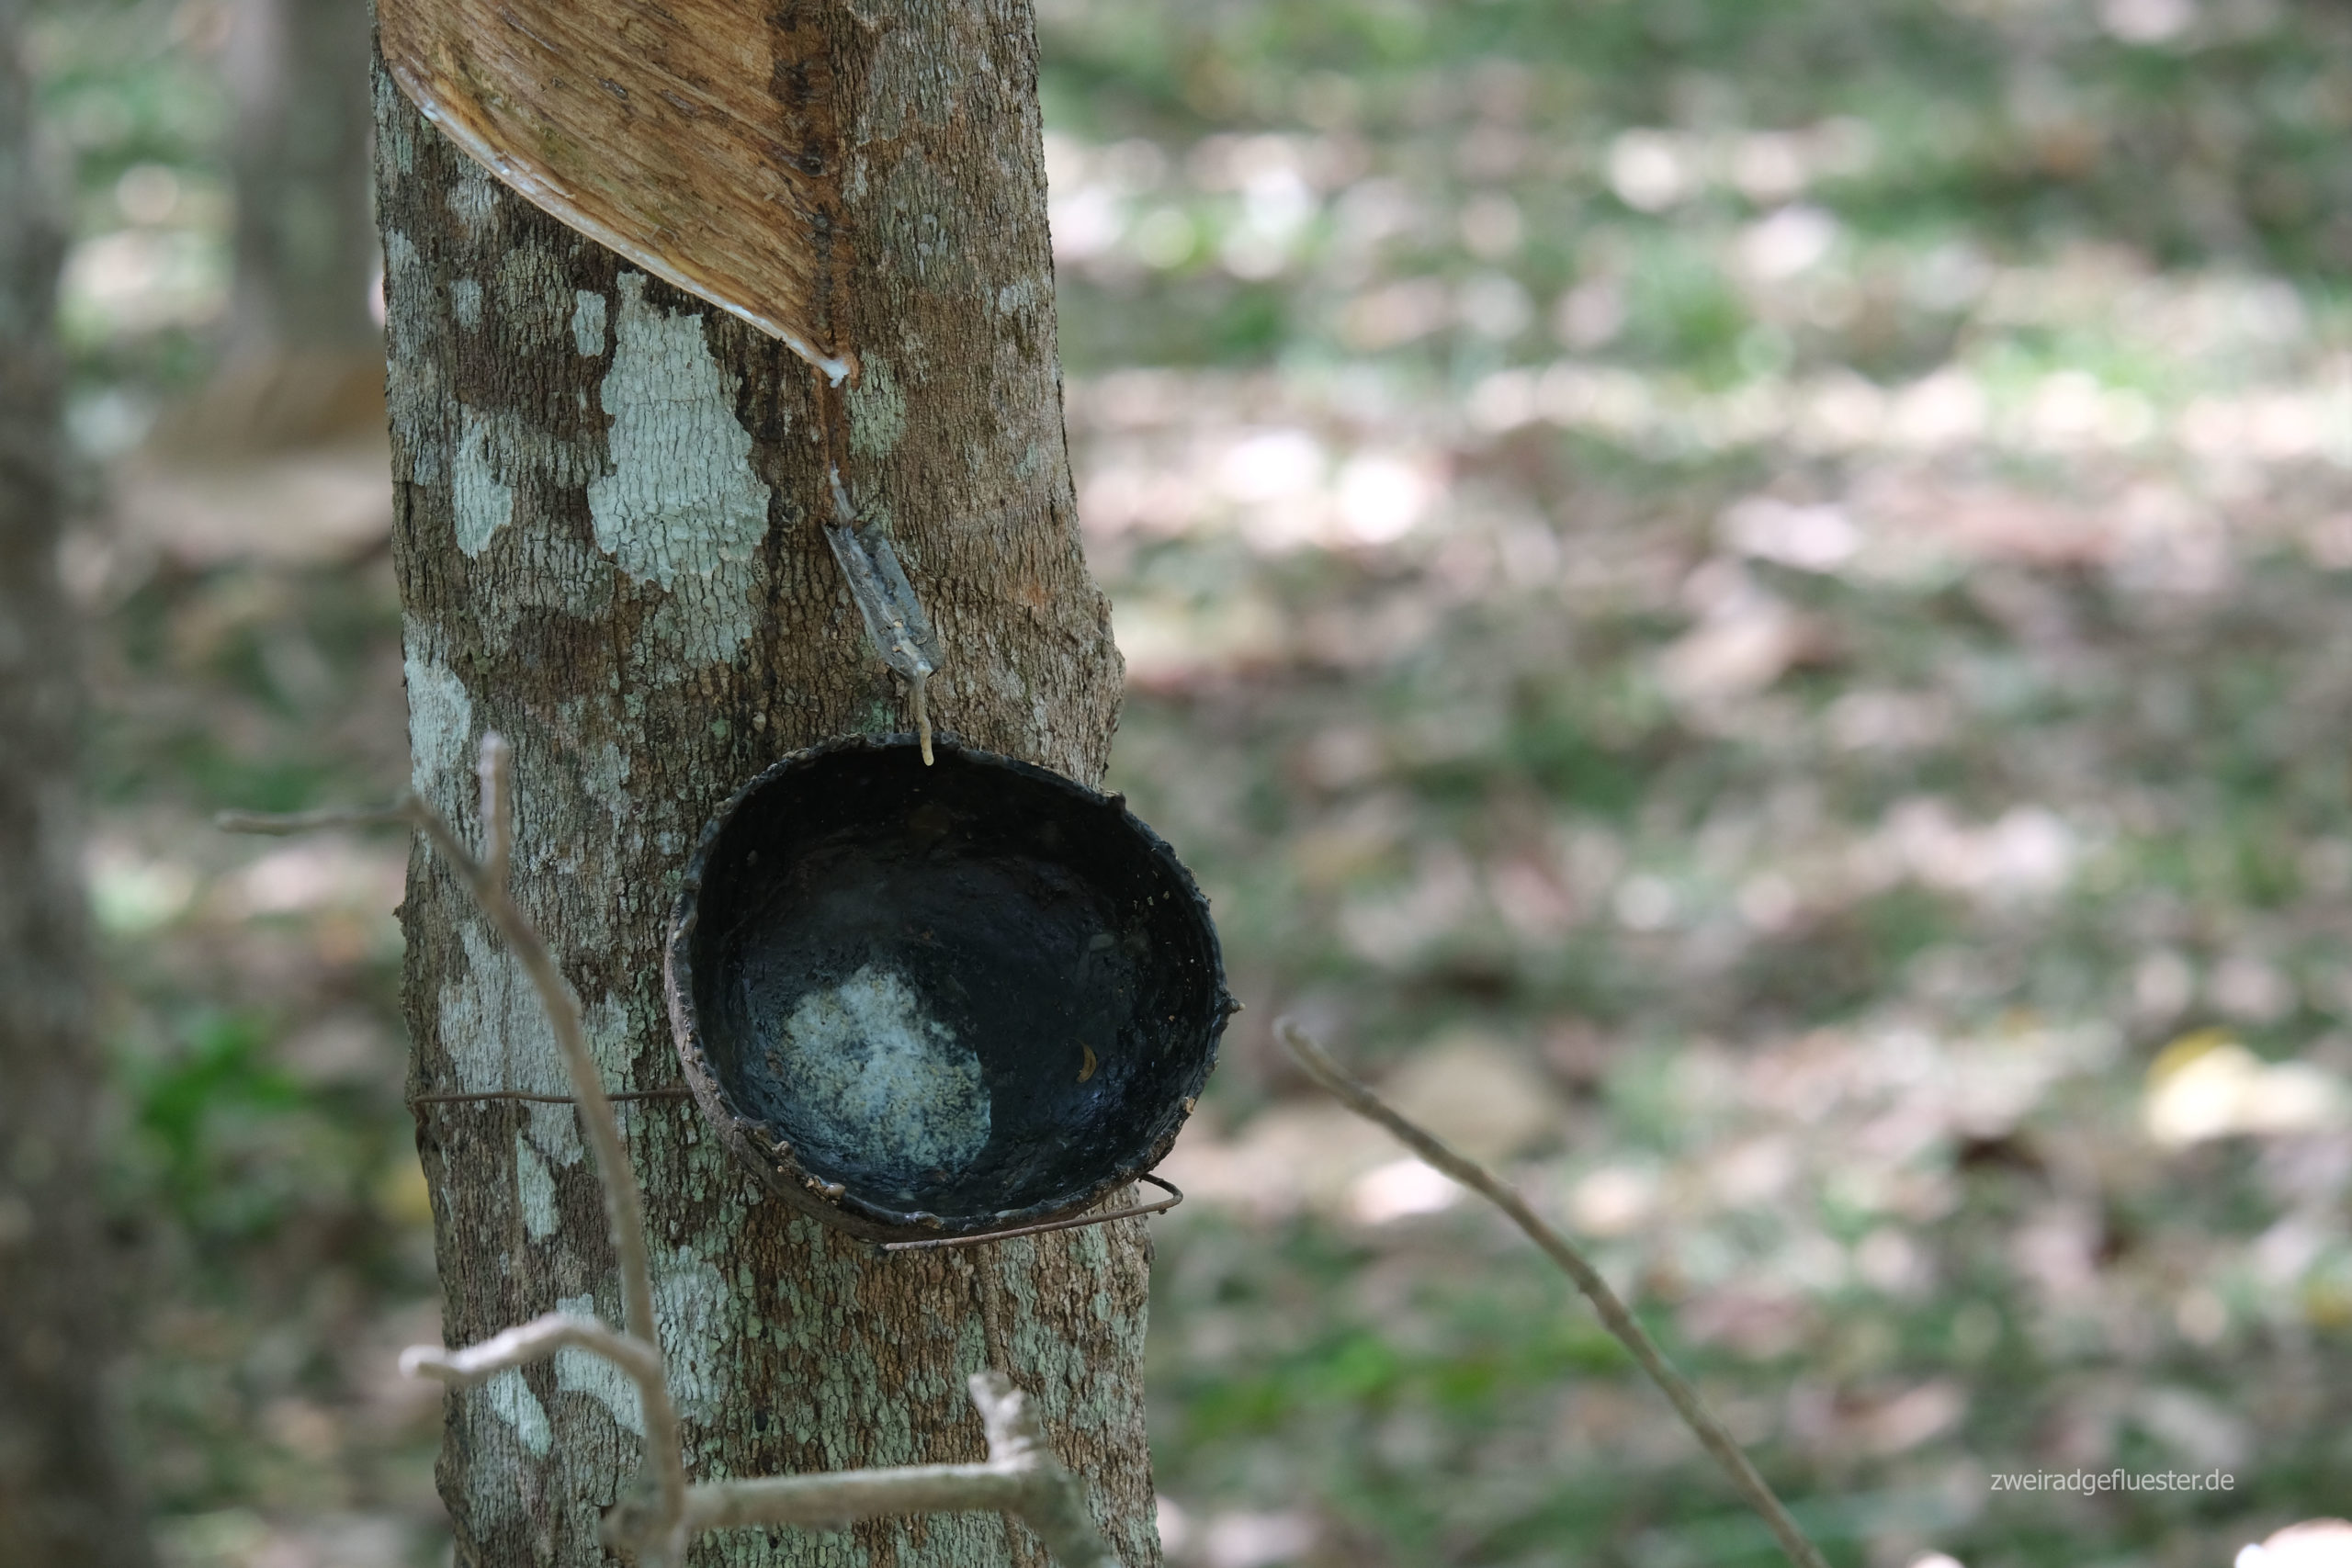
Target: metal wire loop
point(679, 1092)
point(1076, 1222)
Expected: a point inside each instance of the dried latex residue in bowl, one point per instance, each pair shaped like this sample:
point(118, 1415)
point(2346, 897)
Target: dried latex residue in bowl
point(881, 1085)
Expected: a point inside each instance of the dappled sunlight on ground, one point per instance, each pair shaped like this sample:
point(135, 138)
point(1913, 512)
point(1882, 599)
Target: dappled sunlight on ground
point(1745, 606)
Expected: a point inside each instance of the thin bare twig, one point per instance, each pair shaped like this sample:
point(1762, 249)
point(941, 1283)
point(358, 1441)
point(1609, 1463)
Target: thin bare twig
point(623, 1203)
point(280, 824)
point(1020, 1477)
point(1614, 1314)
point(536, 1341)
point(486, 879)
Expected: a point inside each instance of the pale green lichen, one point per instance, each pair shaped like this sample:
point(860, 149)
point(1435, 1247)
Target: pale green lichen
point(479, 502)
point(492, 1025)
point(877, 410)
point(580, 1371)
point(604, 774)
point(611, 1035)
point(534, 1189)
point(440, 718)
point(588, 323)
point(691, 1302)
point(510, 1399)
point(473, 200)
point(679, 505)
point(498, 1418)
point(550, 1139)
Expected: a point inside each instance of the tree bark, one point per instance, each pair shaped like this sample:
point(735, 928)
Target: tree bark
point(62, 1493)
point(608, 500)
point(304, 240)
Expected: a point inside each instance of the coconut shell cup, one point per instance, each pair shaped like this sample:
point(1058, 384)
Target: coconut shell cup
point(923, 1002)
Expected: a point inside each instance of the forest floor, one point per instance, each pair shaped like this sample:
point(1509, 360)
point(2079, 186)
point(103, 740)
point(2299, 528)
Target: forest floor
point(1750, 605)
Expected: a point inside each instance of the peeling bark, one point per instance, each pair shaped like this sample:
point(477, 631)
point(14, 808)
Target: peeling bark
point(62, 1494)
point(609, 499)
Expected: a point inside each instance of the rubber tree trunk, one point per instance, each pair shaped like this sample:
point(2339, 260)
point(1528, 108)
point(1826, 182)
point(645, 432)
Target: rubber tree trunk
point(608, 500)
point(62, 1495)
point(305, 241)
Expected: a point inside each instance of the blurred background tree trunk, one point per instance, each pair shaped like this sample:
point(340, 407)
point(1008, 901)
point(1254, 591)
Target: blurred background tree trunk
point(62, 1499)
point(305, 242)
point(606, 499)
point(301, 368)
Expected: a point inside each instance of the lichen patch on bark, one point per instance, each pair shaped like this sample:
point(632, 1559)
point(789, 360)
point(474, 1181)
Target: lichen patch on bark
point(534, 1187)
point(510, 1398)
point(588, 323)
point(692, 1301)
point(680, 504)
point(440, 720)
point(877, 410)
point(482, 502)
point(578, 1372)
point(490, 1007)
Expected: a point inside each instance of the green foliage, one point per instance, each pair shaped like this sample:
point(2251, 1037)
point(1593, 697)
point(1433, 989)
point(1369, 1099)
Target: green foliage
point(194, 1102)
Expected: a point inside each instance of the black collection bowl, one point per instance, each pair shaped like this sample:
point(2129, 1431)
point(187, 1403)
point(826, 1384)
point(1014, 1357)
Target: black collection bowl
point(936, 1002)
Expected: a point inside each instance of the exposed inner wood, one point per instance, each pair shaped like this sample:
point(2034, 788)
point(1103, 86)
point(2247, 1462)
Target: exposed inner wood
point(696, 138)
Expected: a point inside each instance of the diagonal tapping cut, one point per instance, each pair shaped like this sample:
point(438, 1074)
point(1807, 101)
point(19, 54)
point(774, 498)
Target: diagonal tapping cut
point(669, 131)
point(655, 1522)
